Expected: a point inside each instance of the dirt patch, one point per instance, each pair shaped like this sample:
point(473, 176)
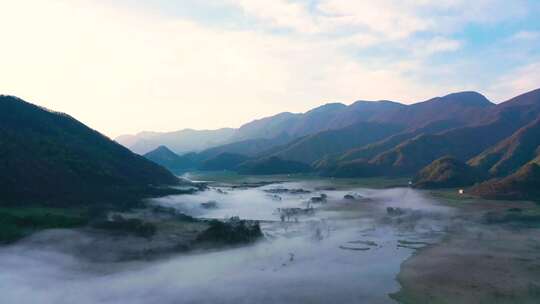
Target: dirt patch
point(478, 262)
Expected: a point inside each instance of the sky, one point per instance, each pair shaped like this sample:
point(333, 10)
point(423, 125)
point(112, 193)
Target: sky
point(123, 66)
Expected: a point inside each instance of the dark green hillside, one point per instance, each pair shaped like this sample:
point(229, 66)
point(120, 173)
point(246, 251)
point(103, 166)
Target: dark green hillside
point(216, 158)
point(16, 223)
point(272, 165)
point(499, 122)
point(223, 161)
point(412, 155)
point(313, 147)
point(462, 143)
point(496, 124)
point(163, 156)
point(446, 172)
point(352, 168)
point(511, 153)
point(177, 164)
point(249, 147)
point(51, 158)
point(522, 185)
point(371, 150)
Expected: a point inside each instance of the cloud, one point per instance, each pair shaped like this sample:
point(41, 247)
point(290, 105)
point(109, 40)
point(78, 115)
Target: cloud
point(387, 19)
point(438, 45)
point(522, 79)
point(280, 14)
point(123, 68)
point(526, 36)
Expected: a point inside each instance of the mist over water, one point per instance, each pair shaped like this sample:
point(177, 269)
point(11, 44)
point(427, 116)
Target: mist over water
point(322, 258)
point(256, 204)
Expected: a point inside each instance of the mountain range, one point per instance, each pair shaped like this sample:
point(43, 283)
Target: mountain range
point(283, 125)
point(385, 138)
point(458, 140)
point(182, 141)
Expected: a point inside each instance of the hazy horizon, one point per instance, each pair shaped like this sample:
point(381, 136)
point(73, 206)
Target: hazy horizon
point(171, 65)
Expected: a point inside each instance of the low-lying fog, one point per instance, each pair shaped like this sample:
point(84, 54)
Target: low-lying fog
point(347, 250)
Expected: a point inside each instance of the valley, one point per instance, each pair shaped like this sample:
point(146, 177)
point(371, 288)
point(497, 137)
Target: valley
point(80, 215)
point(368, 239)
point(272, 152)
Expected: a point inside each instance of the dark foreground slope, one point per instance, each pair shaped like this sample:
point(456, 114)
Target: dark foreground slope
point(51, 158)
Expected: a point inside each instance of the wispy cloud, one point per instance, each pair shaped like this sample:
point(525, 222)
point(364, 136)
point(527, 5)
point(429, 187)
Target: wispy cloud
point(123, 67)
point(517, 81)
point(526, 36)
point(280, 14)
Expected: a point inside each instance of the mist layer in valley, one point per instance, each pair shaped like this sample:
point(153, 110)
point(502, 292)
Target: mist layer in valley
point(343, 250)
point(323, 243)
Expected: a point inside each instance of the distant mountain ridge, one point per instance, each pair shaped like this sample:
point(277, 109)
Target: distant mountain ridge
point(166, 158)
point(460, 107)
point(312, 147)
point(331, 116)
point(511, 153)
point(282, 125)
point(493, 124)
point(386, 138)
point(183, 141)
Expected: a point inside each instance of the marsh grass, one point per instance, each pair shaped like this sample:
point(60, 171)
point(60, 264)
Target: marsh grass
point(235, 178)
point(16, 223)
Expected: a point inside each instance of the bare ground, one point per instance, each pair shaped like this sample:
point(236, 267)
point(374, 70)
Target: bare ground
point(477, 263)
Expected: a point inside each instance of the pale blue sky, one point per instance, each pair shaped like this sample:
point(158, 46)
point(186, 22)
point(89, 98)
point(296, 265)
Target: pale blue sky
point(124, 66)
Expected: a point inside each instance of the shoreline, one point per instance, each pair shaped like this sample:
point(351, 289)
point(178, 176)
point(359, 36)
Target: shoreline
point(481, 260)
